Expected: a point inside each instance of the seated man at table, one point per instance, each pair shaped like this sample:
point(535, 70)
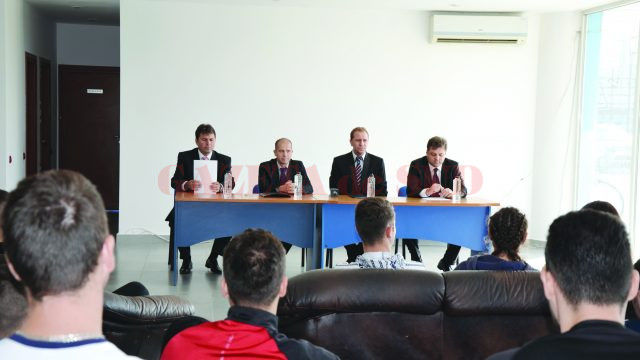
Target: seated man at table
point(349, 173)
point(376, 225)
point(183, 180)
point(254, 279)
point(432, 176)
point(588, 280)
point(276, 175)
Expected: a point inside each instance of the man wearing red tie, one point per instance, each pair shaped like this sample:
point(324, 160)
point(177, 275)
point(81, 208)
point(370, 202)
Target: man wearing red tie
point(432, 176)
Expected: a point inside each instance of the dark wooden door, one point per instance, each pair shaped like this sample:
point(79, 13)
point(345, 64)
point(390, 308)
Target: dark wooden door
point(31, 88)
point(89, 135)
point(45, 145)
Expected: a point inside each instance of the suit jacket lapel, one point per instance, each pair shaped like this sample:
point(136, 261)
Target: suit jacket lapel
point(427, 172)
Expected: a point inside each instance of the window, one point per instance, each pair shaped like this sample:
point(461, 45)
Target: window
point(608, 124)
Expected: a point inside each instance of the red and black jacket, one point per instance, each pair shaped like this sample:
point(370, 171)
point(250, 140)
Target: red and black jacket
point(247, 333)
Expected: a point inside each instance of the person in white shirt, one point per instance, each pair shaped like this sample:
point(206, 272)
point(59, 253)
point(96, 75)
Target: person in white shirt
point(376, 225)
point(58, 246)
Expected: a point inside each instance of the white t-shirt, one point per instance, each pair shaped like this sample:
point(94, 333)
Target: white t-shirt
point(382, 260)
point(21, 348)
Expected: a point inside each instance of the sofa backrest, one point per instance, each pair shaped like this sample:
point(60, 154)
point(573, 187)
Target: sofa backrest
point(490, 311)
point(365, 314)
point(384, 314)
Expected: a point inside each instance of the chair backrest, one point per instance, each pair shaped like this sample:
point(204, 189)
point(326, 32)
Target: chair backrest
point(256, 189)
point(402, 191)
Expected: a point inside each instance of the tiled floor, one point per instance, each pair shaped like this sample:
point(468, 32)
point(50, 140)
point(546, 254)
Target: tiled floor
point(144, 258)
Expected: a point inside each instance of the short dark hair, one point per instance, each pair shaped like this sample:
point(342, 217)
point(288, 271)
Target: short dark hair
point(602, 206)
point(358, 129)
point(589, 255)
point(507, 229)
point(54, 226)
point(205, 129)
point(13, 302)
point(373, 215)
point(437, 142)
point(254, 264)
point(3, 196)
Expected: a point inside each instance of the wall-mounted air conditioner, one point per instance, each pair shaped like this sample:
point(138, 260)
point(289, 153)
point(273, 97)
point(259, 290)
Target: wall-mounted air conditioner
point(478, 28)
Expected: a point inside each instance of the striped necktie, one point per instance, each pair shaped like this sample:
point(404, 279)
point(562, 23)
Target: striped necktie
point(358, 170)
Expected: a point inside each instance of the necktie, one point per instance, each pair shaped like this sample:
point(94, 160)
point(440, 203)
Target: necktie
point(283, 175)
point(436, 179)
point(204, 158)
point(358, 170)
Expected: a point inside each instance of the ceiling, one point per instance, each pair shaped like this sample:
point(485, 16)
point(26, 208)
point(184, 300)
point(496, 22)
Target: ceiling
point(107, 12)
point(102, 12)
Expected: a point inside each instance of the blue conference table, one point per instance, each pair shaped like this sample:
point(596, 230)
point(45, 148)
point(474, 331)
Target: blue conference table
point(318, 222)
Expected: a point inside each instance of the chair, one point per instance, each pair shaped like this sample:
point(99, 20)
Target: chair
point(256, 190)
point(137, 324)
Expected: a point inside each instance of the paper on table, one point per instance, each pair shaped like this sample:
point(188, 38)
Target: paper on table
point(436, 199)
point(205, 171)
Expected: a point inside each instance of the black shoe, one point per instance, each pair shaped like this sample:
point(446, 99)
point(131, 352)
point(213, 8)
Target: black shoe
point(443, 266)
point(212, 264)
point(186, 267)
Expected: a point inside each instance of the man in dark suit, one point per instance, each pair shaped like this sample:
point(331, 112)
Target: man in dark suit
point(432, 176)
point(276, 175)
point(349, 173)
point(182, 180)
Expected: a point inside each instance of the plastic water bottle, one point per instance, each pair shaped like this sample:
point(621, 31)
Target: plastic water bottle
point(371, 186)
point(457, 189)
point(227, 187)
point(297, 185)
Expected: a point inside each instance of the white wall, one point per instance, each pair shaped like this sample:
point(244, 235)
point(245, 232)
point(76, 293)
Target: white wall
point(23, 29)
point(4, 162)
point(556, 129)
point(93, 45)
point(312, 74)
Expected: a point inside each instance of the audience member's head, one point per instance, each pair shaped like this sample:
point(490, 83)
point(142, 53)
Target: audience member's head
point(13, 304)
point(254, 266)
point(55, 232)
point(508, 230)
point(636, 300)
point(588, 263)
point(3, 198)
point(601, 206)
point(375, 222)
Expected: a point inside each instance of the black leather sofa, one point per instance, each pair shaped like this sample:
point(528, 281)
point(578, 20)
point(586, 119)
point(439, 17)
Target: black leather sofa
point(137, 324)
point(385, 314)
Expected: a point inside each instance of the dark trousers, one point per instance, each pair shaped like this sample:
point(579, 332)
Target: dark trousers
point(450, 256)
point(412, 246)
point(220, 244)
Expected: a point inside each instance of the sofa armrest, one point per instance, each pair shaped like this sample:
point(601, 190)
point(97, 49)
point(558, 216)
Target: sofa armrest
point(142, 310)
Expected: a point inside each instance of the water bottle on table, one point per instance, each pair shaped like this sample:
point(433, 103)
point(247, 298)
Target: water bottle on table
point(371, 186)
point(297, 185)
point(457, 189)
point(227, 187)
